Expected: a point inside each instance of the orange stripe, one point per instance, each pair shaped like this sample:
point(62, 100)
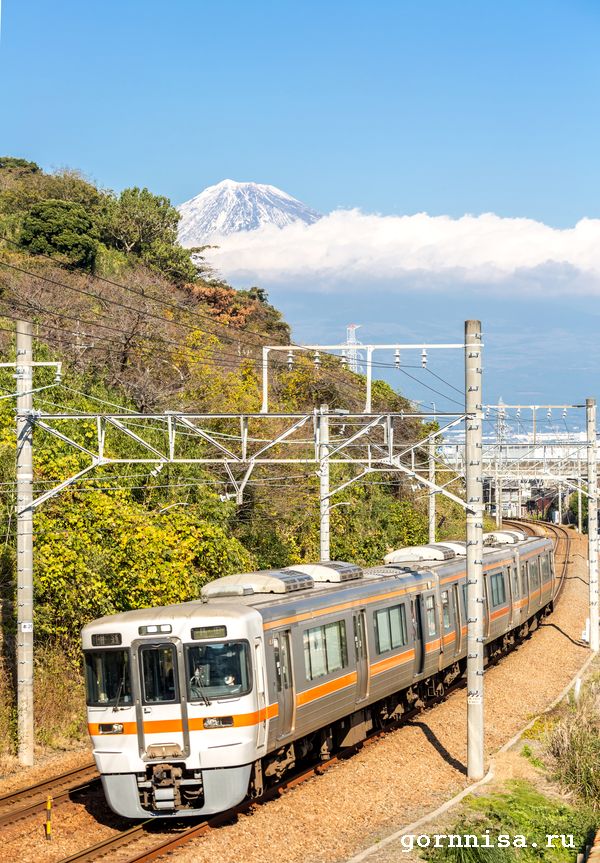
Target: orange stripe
point(391, 662)
point(450, 637)
point(162, 726)
point(344, 606)
point(325, 689)
point(500, 613)
point(432, 645)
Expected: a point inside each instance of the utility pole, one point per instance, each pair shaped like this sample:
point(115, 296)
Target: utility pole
point(323, 427)
point(24, 516)
point(592, 467)
point(498, 500)
point(560, 503)
point(431, 509)
point(475, 599)
point(579, 514)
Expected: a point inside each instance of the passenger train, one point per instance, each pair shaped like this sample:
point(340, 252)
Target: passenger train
point(193, 707)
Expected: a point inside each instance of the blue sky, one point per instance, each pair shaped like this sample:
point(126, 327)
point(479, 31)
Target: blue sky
point(391, 106)
point(395, 106)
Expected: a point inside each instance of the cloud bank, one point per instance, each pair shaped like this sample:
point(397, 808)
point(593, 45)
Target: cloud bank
point(349, 249)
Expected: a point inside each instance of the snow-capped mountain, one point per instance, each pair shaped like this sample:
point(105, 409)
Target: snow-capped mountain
point(230, 207)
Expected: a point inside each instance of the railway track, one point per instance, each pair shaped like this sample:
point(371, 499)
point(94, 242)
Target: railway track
point(27, 801)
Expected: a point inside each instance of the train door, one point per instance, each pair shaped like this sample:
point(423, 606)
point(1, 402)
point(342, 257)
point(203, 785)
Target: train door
point(486, 607)
point(362, 655)
point(285, 683)
point(515, 593)
point(161, 705)
point(416, 611)
point(457, 619)
point(525, 587)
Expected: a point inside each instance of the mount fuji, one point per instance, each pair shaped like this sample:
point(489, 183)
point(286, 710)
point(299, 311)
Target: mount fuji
point(230, 207)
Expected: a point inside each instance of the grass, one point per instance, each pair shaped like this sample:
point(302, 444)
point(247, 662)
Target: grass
point(521, 811)
point(573, 746)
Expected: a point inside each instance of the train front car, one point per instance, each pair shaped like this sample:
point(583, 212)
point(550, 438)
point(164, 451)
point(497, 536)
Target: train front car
point(176, 707)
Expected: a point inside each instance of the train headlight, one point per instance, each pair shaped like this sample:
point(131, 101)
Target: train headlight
point(111, 728)
point(218, 722)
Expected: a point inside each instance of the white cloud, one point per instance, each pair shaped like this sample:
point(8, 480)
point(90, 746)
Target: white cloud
point(349, 248)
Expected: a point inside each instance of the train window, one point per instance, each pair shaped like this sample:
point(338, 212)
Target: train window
point(107, 677)
point(218, 669)
point(430, 615)
point(158, 666)
point(498, 589)
point(534, 573)
point(524, 584)
point(325, 649)
point(464, 597)
point(514, 578)
point(545, 565)
point(446, 622)
point(390, 628)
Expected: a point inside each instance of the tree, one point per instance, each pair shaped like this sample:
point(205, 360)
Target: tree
point(137, 219)
point(60, 227)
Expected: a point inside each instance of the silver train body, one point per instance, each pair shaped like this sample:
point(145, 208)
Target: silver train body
point(192, 707)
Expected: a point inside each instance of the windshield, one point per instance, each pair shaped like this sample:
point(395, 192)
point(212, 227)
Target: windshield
point(218, 670)
point(107, 677)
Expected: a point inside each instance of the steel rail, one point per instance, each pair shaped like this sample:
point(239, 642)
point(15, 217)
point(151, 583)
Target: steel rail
point(10, 810)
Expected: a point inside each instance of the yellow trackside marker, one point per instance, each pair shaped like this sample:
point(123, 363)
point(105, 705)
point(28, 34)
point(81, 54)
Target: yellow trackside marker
point(49, 818)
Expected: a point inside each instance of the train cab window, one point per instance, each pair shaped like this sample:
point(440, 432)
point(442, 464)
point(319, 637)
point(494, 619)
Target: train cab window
point(218, 669)
point(107, 678)
point(325, 649)
point(158, 667)
point(446, 622)
point(430, 615)
point(545, 567)
point(498, 589)
point(391, 631)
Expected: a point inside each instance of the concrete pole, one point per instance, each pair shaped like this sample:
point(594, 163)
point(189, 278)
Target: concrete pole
point(369, 399)
point(24, 517)
point(560, 513)
point(579, 514)
point(265, 381)
point(475, 595)
point(431, 511)
point(592, 468)
point(323, 425)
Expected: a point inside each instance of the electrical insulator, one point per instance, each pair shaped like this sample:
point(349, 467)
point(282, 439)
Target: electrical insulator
point(317, 359)
point(564, 413)
point(424, 358)
point(397, 358)
point(290, 360)
point(549, 414)
point(518, 414)
point(344, 359)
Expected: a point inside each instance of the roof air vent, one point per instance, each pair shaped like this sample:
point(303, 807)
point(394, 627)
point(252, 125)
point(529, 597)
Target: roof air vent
point(266, 581)
point(329, 571)
point(503, 537)
point(434, 551)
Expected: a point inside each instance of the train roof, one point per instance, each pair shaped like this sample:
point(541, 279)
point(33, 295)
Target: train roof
point(301, 587)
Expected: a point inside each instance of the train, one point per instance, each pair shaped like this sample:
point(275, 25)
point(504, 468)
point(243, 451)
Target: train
point(194, 707)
